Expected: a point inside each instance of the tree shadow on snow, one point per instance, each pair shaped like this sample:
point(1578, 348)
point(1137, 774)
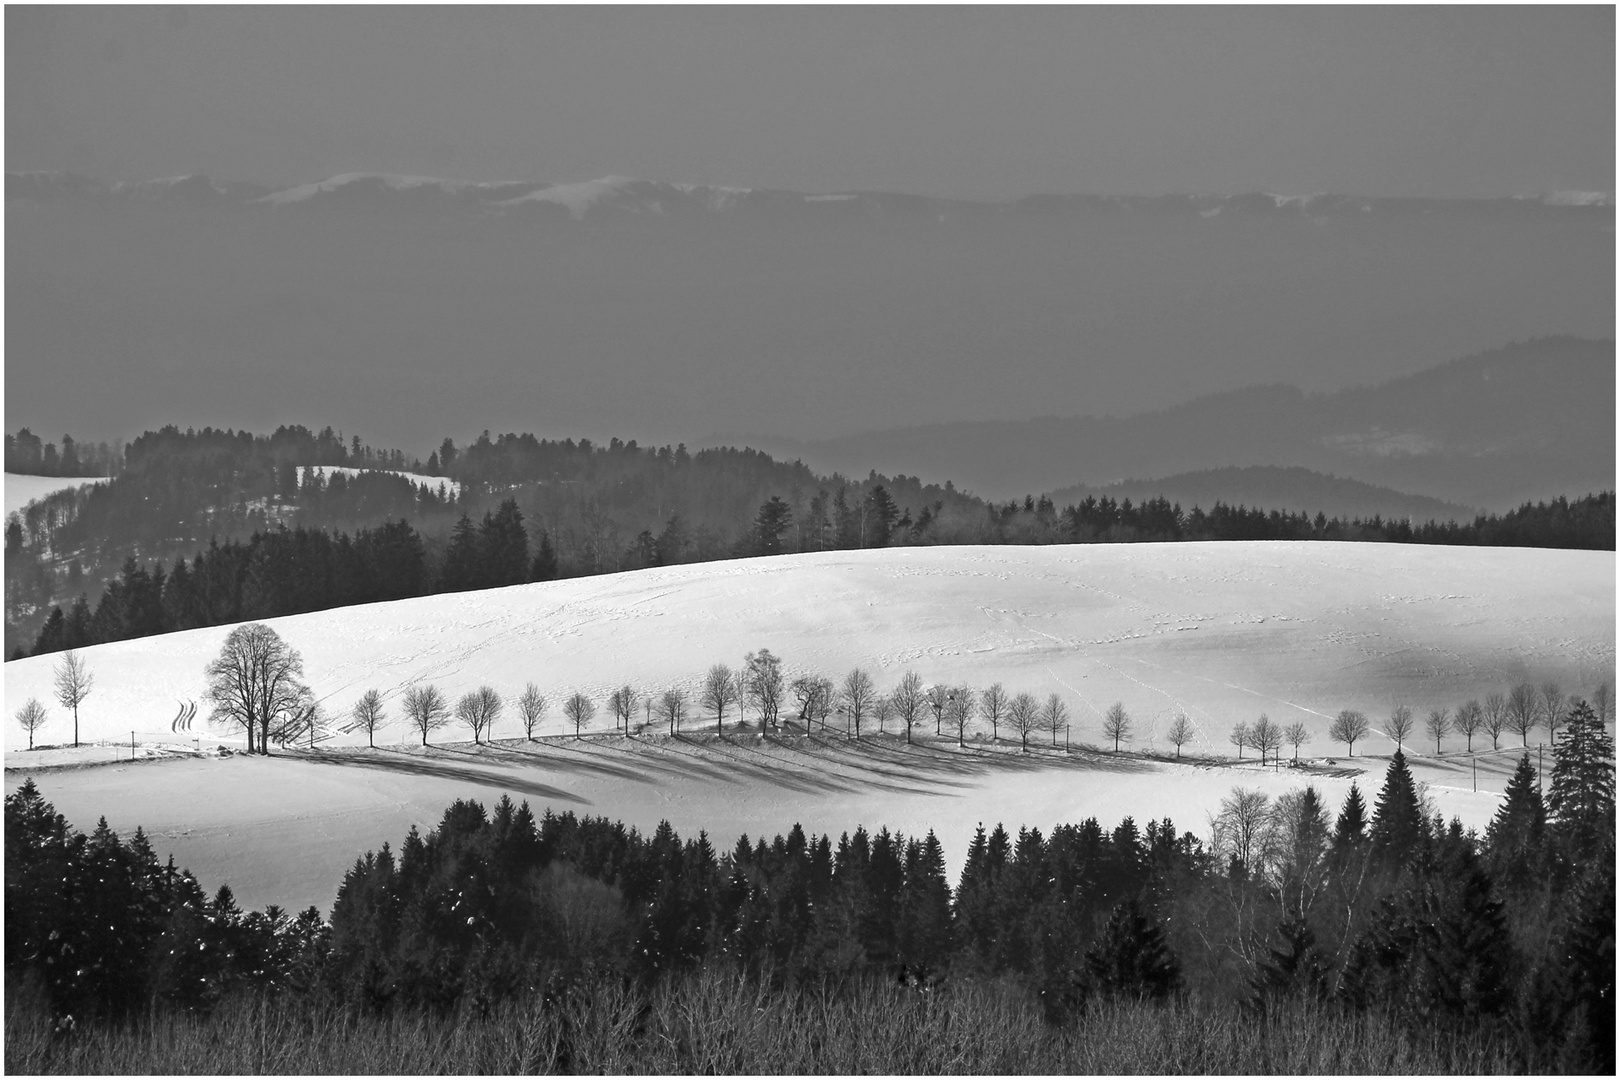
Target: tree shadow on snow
point(412, 765)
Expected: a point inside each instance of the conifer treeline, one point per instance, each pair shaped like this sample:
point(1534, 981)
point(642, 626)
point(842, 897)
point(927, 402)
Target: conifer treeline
point(1395, 911)
point(603, 509)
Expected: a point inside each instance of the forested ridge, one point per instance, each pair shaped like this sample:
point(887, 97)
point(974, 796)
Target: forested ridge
point(237, 526)
point(1377, 915)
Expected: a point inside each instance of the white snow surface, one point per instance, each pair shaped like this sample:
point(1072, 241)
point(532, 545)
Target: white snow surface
point(433, 482)
point(22, 490)
point(1223, 631)
point(396, 181)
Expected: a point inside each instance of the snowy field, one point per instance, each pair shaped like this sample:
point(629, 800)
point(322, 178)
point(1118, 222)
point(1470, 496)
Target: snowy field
point(22, 490)
point(1224, 632)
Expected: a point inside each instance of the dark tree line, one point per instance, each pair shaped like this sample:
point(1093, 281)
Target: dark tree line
point(1390, 909)
point(610, 508)
point(28, 455)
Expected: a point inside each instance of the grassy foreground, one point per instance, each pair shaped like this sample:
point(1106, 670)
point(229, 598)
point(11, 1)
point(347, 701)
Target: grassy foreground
point(708, 1022)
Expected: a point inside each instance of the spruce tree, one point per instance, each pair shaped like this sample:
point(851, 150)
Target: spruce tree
point(1515, 839)
point(1580, 801)
point(1351, 828)
point(1131, 958)
point(545, 559)
point(1398, 828)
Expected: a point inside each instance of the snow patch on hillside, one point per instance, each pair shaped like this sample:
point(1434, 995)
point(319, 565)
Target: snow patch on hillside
point(22, 490)
point(433, 483)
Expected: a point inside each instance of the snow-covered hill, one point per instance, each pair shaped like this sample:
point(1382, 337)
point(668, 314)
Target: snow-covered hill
point(1224, 632)
point(22, 490)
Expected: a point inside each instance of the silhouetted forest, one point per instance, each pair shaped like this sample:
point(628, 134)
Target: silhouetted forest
point(1384, 911)
point(246, 514)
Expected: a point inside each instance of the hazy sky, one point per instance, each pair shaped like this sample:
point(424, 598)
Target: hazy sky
point(973, 102)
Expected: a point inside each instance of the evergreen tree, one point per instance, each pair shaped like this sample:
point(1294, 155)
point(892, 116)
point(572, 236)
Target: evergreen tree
point(1131, 957)
point(1398, 827)
point(1580, 801)
point(1515, 840)
point(545, 559)
point(505, 545)
point(464, 559)
point(772, 521)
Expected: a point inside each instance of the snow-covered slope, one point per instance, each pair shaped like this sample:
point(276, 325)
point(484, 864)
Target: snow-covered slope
point(1223, 631)
point(419, 479)
point(22, 490)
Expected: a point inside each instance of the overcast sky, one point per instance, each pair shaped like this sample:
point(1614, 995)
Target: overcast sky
point(969, 102)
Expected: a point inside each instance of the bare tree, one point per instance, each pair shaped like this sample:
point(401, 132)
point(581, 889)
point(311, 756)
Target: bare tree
point(960, 706)
point(858, 696)
point(1523, 710)
point(909, 701)
point(718, 692)
point(1347, 727)
point(765, 686)
point(1055, 717)
point(478, 711)
point(739, 693)
point(1552, 708)
point(579, 709)
point(993, 706)
point(1297, 735)
point(1495, 716)
point(428, 710)
point(1240, 736)
point(883, 709)
point(1117, 724)
point(1024, 715)
point(1265, 737)
point(672, 707)
point(32, 717)
point(623, 703)
point(255, 683)
point(1181, 731)
point(73, 681)
point(1438, 725)
point(532, 705)
point(1238, 831)
point(367, 716)
point(1469, 718)
point(938, 697)
point(826, 699)
point(806, 691)
point(1399, 725)
point(1603, 703)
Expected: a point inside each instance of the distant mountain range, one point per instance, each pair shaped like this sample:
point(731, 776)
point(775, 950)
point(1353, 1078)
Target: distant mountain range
point(410, 308)
point(611, 195)
point(1527, 422)
point(1272, 487)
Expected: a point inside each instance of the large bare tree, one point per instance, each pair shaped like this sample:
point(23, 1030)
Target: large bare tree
point(909, 700)
point(478, 711)
point(1024, 716)
point(672, 707)
point(858, 695)
point(1055, 718)
point(1494, 720)
point(1117, 724)
point(993, 706)
point(427, 709)
point(765, 686)
point(1523, 710)
point(719, 690)
point(368, 716)
point(1438, 725)
point(32, 717)
point(1241, 736)
point(1552, 708)
point(1266, 737)
point(1349, 726)
point(1181, 731)
point(1469, 718)
point(73, 681)
point(938, 697)
point(532, 707)
point(623, 703)
point(960, 705)
point(1297, 735)
point(256, 683)
point(1399, 725)
point(579, 709)
point(1239, 830)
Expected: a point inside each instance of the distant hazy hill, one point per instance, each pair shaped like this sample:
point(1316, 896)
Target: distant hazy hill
point(1526, 422)
point(407, 308)
point(1275, 488)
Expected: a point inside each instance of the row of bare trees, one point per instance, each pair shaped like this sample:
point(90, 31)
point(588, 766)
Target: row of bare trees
point(1522, 709)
